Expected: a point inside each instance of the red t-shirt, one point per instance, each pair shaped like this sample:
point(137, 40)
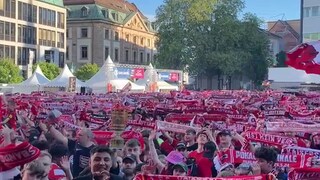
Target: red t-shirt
point(56, 173)
point(197, 156)
point(205, 167)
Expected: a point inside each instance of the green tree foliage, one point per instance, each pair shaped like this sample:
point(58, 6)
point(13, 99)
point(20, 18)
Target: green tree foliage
point(281, 59)
point(50, 70)
point(9, 72)
point(209, 37)
point(86, 71)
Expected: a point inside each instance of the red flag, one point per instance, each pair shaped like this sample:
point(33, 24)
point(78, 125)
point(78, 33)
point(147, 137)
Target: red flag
point(305, 57)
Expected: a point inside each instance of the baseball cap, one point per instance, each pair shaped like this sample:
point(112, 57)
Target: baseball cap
point(180, 145)
point(130, 157)
point(181, 165)
point(175, 157)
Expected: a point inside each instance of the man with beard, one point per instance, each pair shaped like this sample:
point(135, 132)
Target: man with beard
point(129, 165)
point(100, 164)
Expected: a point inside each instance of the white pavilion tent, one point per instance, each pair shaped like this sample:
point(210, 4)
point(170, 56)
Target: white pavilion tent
point(33, 83)
point(164, 86)
point(63, 80)
point(98, 82)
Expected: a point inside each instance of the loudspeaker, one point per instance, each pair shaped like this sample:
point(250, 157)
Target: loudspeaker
point(83, 90)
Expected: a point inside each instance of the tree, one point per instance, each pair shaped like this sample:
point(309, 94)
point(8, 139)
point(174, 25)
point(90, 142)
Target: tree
point(9, 72)
point(50, 70)
point(281, 58)
point(209, 37)
point(86, 71)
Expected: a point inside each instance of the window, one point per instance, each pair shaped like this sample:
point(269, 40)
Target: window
point(134, 56)
point(84, 52)
point(1, 8)
point(61, 59)
point(149, 42)
point(67, 33)
point(19, 10)
point(315, 11)
point(141, 57)
point(103, 13)
point(116, 36)
point(148, 58)
point(84, 32)
point(7, 8)
point(60, 20)
point(135, 39)
point(1, 51)
point(116, 54)
point(1, 30)
point(7, 31)
point(115, 16)
point(127, 37)
point(29, 13)
point(67, 53)
point(142, 41)
point(127, 55)
point(13, 8)
point(12, 32)
point(106, 52)
point(13, 53)
point(34, 14)
point(306, 12)
point(106, 34)
point(84, 11)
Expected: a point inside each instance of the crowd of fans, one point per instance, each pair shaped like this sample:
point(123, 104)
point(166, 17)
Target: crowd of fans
point(68, 153)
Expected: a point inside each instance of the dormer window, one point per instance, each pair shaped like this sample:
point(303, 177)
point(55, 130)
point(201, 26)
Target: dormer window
point(104, 13)
point(115, 16)
point(84, 11)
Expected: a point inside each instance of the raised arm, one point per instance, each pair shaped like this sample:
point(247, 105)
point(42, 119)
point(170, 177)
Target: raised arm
point(153, 152)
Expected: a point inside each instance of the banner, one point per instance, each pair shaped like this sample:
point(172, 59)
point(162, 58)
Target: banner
point(164, 76)
point(12, 156)
point(292, 127)
point(162, 177)
point(273, 140)
point(122, 73)
point(72, 84)
point(138, 73)
point(304, 174)
point(301, 151)
point(283, 160)
point(178, 128)
point(174, 77)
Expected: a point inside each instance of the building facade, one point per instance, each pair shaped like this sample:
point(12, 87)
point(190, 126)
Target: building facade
point(310, 19)
point(98, 28)
point(288, 30)
point(32, 31)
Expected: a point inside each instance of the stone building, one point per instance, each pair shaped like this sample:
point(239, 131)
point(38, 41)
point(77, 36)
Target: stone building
point(31, 31)
point(98, 28)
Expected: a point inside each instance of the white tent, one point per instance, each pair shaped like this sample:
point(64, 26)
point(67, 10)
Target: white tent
point(63, 79)
point(33, 83)
point(98, 82)
point(162, 85)
point(148, 75)
point(120, 83)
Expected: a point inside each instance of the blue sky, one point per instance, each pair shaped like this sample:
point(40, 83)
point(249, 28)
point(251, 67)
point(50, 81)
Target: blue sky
point(267, 10)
